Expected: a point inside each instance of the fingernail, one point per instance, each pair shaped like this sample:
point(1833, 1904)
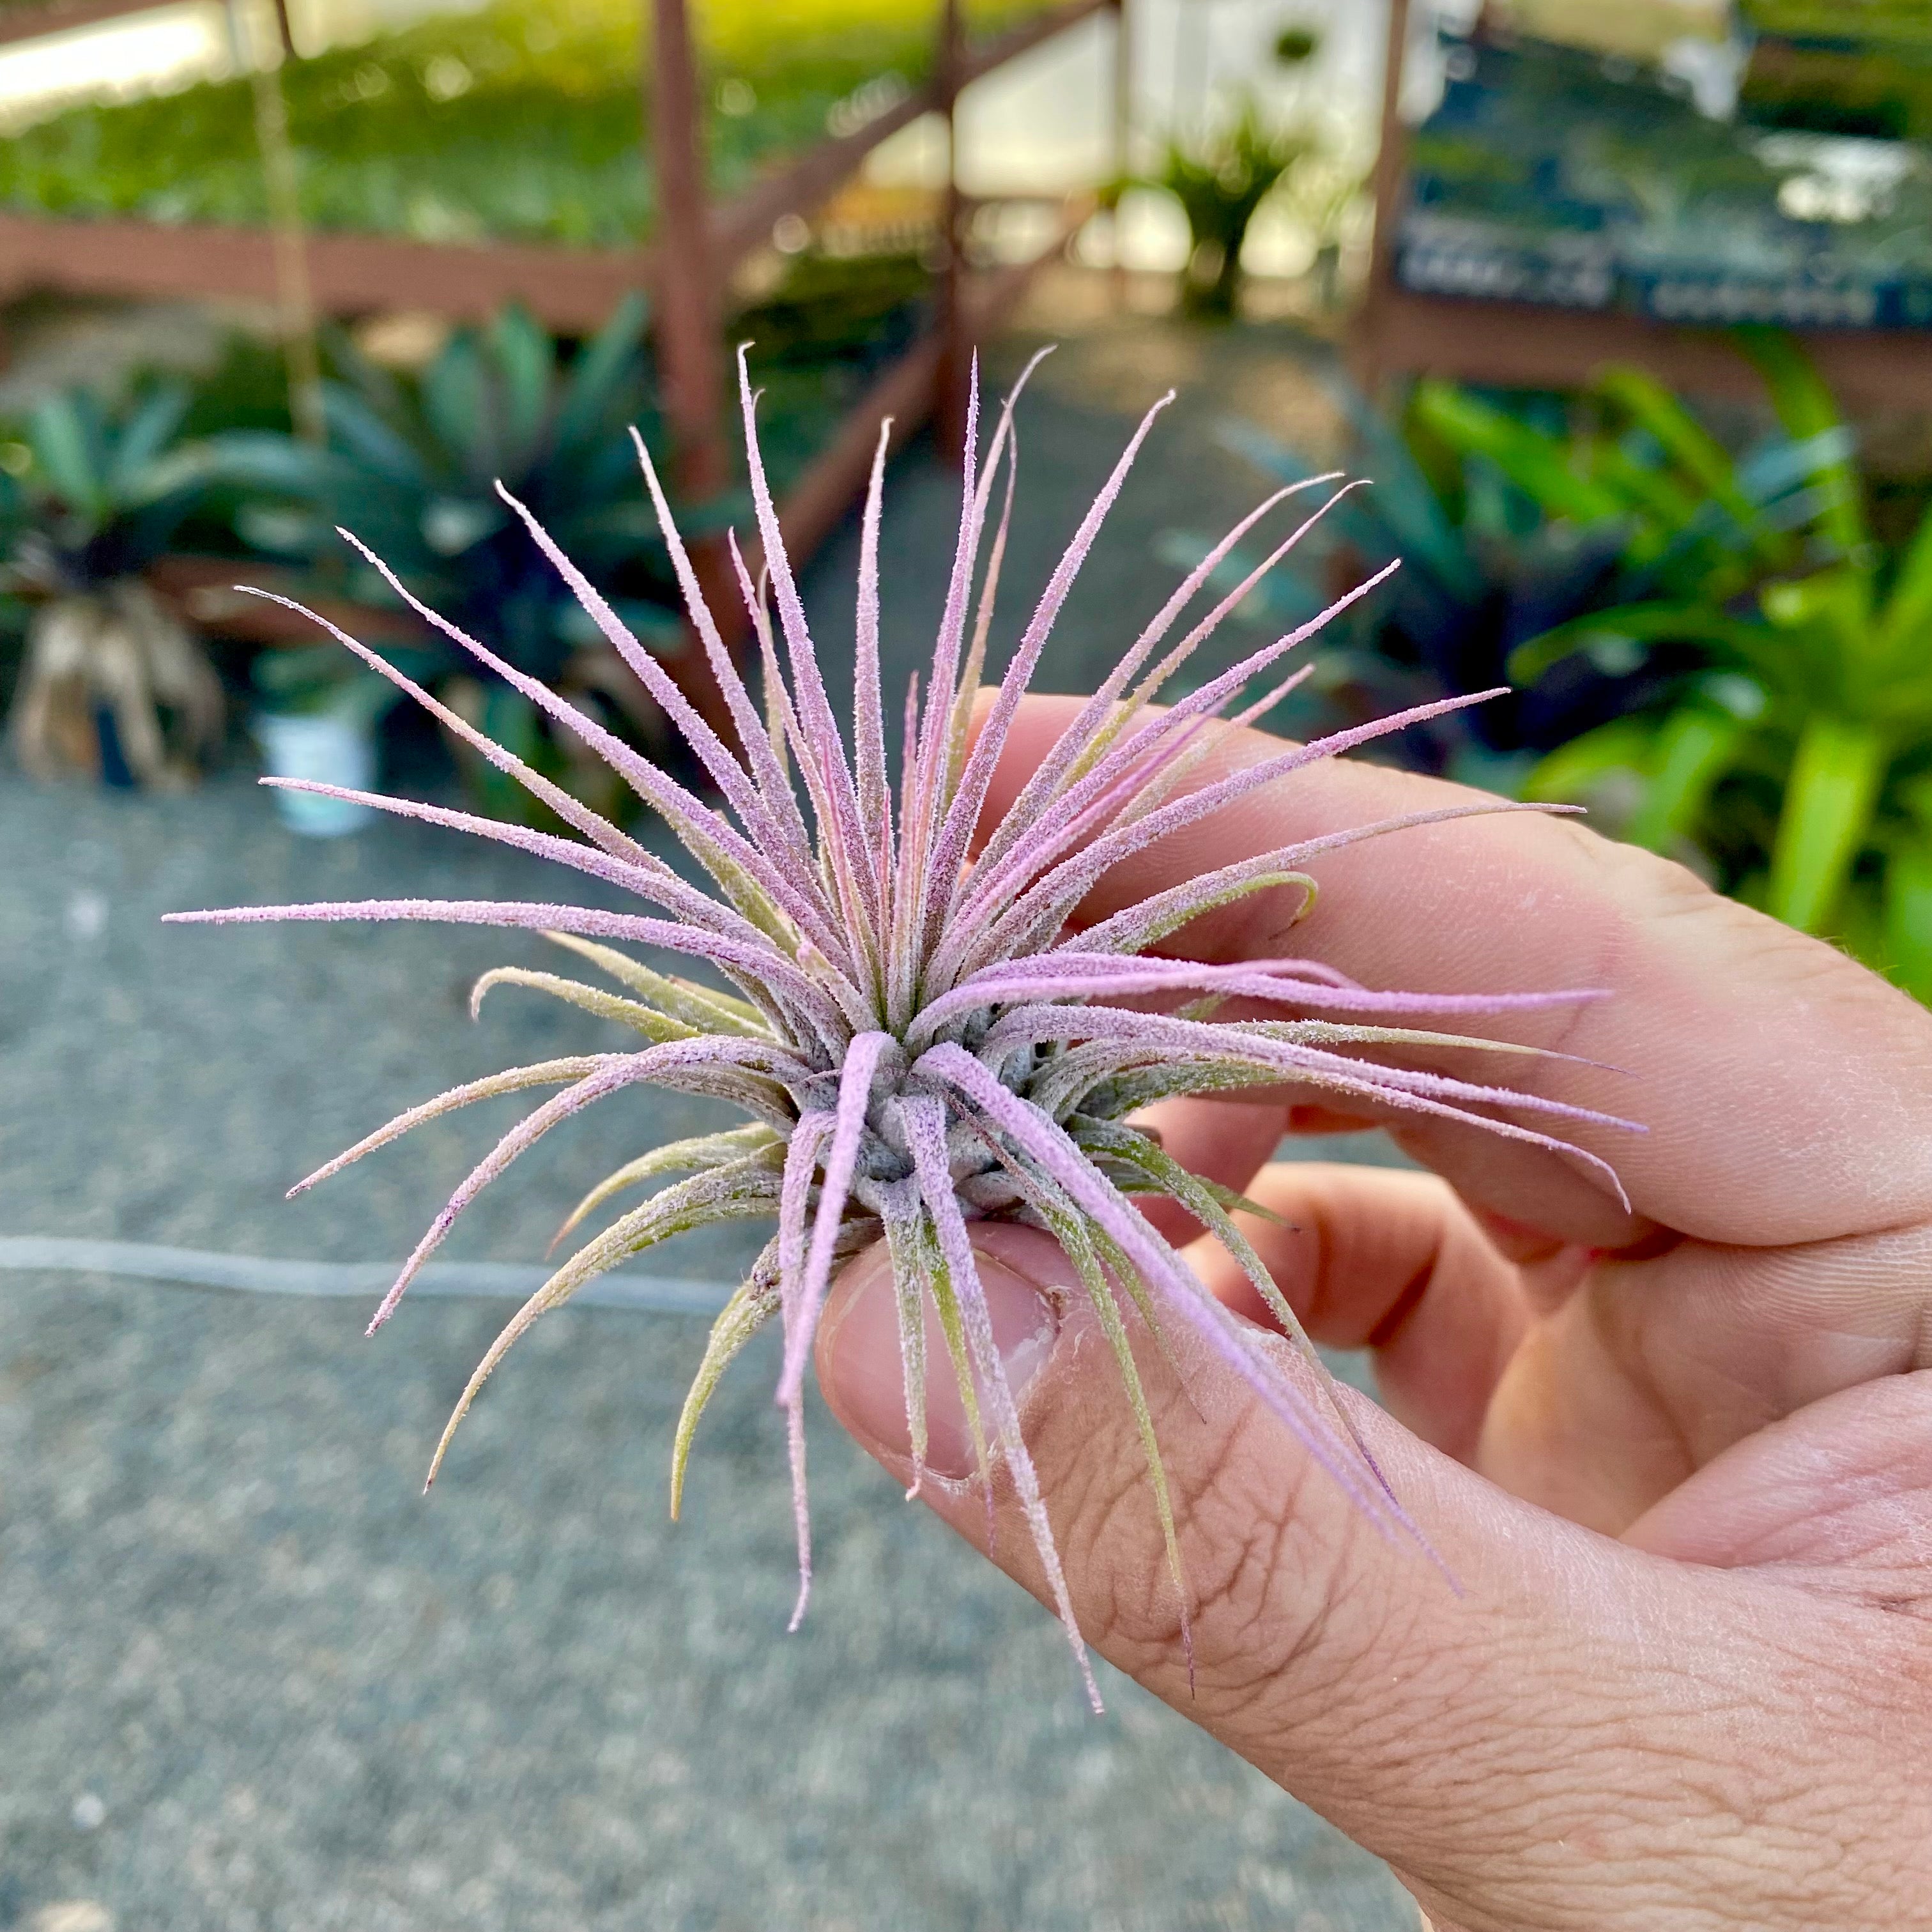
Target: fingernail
point(862, 1371)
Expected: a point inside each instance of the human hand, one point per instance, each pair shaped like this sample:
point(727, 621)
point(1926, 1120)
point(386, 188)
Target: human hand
point(1679, 1459)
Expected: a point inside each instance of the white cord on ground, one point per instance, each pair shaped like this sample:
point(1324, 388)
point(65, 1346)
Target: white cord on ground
point(198, 1267)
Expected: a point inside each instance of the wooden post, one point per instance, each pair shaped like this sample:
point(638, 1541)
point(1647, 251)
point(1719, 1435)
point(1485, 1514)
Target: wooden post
point(956, 346)
point(294, 297)
point(1391, 180)
point(1123, 91)
point(687, 323)
point(690, 355)
point(1123, 135)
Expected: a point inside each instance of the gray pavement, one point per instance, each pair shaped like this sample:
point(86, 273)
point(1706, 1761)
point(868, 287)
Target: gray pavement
point(249, 1679)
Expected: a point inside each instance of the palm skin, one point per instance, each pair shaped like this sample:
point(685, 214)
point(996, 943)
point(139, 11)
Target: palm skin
point(1677, 1457)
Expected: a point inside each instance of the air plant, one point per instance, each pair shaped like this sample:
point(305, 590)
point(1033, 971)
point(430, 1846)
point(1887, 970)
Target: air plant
point(920, 1040)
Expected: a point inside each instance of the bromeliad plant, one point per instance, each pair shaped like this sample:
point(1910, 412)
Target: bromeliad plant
point(1517, 524)
point(1790, 741)
point(112, 683)
point(920, 1040)
point(414, 460)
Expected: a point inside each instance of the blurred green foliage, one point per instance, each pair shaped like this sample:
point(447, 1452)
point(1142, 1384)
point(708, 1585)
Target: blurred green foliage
point(1727, 655)
point(411, 466)
point(411, 462)
point(1297, 43)
point(521, 120)
point(91, 494)
point(1786, 733)
point(91, 491)
point(817, 341)
point(1510, 519)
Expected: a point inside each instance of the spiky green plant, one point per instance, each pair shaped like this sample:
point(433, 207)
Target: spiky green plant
point(1220, 179)
point(919, 1040)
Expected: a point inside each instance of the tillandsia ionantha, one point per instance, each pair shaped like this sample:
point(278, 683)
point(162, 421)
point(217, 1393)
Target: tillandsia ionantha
point(920, 1036)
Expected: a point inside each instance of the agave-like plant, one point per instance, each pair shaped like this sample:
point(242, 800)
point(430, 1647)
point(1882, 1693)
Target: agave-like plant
point(919, 1039)
point(109, 669)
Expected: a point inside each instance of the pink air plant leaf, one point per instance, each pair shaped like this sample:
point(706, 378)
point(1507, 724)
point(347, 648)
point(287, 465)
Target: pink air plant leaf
point(919, 1039)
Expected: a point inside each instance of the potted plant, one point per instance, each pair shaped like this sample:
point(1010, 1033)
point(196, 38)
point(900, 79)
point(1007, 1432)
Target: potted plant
point(1220, 180)
point(315, 719)
point(112, 684)
point(411, 465)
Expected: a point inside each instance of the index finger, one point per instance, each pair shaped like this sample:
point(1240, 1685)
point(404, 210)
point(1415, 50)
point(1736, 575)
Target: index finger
point(1786, 1090)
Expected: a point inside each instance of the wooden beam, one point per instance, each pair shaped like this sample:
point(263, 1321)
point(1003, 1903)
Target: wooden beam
point(1391, 184)
point(573, 290)
point(956, 351)
point(687, 324)
point(31, 23)
point(1525, 345)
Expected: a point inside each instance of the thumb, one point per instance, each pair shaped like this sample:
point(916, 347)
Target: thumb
point(1523, 1736)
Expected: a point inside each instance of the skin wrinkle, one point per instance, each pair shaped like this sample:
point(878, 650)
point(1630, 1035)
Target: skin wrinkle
point(1143, 1617)
point(1608, 1796)
point(1628, 1820)
point(1669, 1727)
point(1652, 895)
point(1246, 1699)
point(1108, 1532)
point(1625, 1352)
point(1409, 1297)
point(1238, 1480)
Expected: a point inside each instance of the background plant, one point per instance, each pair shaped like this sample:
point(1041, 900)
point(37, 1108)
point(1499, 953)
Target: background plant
point(93, 493)
point(520, 120)
point(1786, 734)
point(411, 464)
point(1220, 179)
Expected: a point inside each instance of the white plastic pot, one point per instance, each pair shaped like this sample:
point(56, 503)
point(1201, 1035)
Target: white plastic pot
point(326, 747)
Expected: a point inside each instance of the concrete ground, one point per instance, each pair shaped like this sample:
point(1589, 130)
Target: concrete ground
point(250, 1679)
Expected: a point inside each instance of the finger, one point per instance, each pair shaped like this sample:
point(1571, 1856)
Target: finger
point(1841, 1492)
point(1659, 1371)
point(1392, 1262)
point(1510, 1743)
point(1719, 1016)
point(1226, 1142)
